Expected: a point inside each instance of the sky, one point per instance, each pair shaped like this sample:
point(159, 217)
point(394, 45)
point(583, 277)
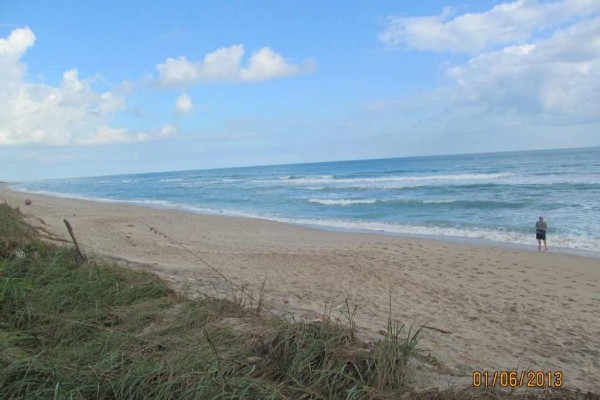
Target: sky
point(113, 87)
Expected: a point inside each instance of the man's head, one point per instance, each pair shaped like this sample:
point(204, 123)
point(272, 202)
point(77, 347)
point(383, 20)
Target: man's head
point(541, 218)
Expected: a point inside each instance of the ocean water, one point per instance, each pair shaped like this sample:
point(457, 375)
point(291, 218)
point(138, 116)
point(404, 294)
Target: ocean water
point(494, 196)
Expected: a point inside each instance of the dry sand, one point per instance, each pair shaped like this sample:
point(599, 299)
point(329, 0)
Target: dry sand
point(503, 308)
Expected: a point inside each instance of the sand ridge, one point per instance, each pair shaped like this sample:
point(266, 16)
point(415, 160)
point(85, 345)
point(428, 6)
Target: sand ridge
point(503, 308)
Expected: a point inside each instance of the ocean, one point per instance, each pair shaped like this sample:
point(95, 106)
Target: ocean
point(494, 197)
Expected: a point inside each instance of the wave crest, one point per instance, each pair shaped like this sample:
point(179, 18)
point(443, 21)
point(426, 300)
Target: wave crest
point(341, 202)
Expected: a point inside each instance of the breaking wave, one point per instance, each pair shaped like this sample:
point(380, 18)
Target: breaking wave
point(342, 202)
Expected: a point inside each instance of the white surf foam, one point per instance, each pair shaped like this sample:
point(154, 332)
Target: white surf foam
point(562, 241)
point(171, 180)
point(341, 202)
point(385, 181)
point(438, 201)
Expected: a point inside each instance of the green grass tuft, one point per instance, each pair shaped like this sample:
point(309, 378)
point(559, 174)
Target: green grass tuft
point(13, 230)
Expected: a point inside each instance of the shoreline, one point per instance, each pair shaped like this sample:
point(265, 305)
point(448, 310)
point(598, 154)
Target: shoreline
point(470, 241)
point(501, 308)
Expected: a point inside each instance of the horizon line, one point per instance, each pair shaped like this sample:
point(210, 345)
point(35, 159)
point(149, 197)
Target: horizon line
point(304, 163)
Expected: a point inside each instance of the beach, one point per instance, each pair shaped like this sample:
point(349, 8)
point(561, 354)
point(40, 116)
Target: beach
point(486, 308)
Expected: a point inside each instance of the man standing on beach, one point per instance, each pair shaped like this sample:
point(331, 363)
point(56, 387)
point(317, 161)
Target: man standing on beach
point(540, 233)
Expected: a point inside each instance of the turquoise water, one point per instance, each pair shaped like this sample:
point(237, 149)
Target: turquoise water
point(492, 196)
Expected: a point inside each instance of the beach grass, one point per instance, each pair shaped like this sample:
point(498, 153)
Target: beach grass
point(96, 330)
point(13, 230)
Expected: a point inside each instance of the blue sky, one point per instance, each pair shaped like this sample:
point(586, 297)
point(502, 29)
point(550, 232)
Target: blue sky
point(103, 87)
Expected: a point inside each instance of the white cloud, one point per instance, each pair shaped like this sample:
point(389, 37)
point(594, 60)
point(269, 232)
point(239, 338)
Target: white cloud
point(225, 65)
point(553, 78)
point(106, 135)
point(556, 78)
point(266, 64)
point(167, 131)
point(177, 72)
point(183, 104)
point(507, 23)
point(17, 42)
point(71, 114)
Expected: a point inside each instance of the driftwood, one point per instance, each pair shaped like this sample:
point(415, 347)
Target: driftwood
point(81, 257)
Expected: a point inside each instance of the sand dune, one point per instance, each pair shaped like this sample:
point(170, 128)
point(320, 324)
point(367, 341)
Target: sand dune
point(503, 308)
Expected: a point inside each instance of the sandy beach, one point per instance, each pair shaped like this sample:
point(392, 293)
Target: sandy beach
point(494, 309)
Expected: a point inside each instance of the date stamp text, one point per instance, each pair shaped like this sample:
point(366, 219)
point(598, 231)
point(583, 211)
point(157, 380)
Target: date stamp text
point(540, 379)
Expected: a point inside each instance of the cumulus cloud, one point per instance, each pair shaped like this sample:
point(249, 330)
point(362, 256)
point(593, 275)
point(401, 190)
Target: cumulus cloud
point(558, 76)
point(183, 104)
point(225, 65)
point(72, 113)
point(507, 23)
point(17, 43)
point(516, 78)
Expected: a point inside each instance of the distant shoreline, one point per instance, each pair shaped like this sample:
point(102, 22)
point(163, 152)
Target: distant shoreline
point(479, 242)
